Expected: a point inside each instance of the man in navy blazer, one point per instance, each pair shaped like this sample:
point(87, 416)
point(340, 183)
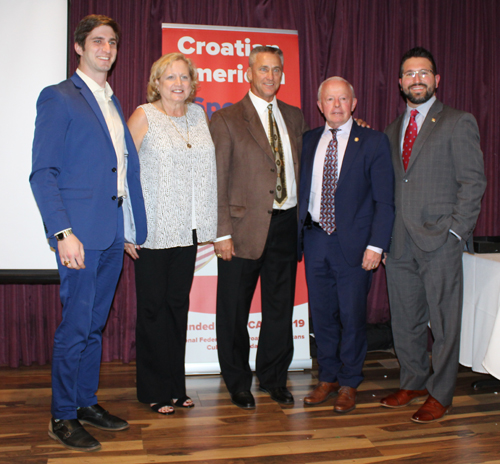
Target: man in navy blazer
point(86, 183)
point(346, 213)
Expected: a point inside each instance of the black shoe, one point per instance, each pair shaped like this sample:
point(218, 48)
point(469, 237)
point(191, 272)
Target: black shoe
point(243, 400)
point(98, 417)
point(71, 434)
point(279, 394)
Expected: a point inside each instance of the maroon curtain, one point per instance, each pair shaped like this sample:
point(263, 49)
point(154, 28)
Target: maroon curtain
point(361, 40)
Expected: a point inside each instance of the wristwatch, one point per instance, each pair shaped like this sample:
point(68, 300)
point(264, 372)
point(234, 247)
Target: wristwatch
point(63, 234)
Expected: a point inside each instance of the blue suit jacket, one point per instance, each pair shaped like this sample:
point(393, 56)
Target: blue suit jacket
point(364, 202)
point(74, 177)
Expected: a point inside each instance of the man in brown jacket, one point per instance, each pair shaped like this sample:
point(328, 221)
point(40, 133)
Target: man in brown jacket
point(257, 224)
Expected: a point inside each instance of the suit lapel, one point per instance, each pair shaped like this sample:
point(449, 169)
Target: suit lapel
point(287, 118)
point(129, 142)
point(309, 153)
point(427, 127)
point(91, 100)
point(254, 126)
point(395, 140)
point(351, 152)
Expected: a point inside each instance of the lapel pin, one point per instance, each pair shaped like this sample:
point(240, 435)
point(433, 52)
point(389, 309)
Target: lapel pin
point(356, 139)
point(433, 120)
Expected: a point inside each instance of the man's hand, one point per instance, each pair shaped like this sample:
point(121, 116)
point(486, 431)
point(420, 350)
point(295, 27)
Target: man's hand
point(362, 123)
point(71, 252)
point(371, 260)
point(131, 250)
point(224, 249)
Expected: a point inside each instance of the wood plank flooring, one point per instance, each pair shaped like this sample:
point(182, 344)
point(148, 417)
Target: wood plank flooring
point(216, 431)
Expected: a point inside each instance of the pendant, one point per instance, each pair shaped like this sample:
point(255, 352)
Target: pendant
point(189, 145)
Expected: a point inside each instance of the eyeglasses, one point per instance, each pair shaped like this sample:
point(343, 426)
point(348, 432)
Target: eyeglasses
point(423, 73)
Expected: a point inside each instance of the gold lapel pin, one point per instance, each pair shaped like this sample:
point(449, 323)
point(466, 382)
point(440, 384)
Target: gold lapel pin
point(356, 139)
point(433, 119)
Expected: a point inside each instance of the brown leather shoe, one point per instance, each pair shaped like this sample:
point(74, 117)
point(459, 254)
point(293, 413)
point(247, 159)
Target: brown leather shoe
point(346, 401)
point(402, 398)
point(321, 393)
point(430, 411)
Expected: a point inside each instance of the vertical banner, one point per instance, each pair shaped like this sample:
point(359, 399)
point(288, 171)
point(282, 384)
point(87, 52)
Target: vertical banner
point(221, 57)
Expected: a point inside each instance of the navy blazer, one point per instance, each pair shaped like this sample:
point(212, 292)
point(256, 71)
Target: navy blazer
point(364, 201)
point(74, 175)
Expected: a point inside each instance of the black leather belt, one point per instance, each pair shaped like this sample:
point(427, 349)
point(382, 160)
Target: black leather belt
point(277, 212)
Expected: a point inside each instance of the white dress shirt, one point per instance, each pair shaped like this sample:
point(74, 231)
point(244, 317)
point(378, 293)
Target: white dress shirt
point(319, 160)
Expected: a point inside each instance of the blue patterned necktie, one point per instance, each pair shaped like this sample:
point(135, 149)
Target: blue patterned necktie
point(329, 186)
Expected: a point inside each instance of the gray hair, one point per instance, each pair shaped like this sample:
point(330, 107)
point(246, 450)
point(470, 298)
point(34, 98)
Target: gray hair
point(264, 49)
point(335, 78)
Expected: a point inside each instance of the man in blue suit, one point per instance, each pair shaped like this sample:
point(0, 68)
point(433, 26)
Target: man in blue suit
point(86, 183)
point(346, 213)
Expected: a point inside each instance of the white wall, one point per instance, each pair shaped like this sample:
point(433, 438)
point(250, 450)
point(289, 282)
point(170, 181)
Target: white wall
point(33, 54)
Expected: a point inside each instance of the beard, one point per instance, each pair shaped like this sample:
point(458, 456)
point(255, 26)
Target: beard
point(429, 93)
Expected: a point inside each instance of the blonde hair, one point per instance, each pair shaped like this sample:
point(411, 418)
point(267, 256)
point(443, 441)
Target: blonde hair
point(159, 67)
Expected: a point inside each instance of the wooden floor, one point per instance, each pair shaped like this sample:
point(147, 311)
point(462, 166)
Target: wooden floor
point(215, 431)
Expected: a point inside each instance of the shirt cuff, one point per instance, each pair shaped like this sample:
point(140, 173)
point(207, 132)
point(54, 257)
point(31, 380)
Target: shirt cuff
point(219, 239)
point(69, 228)
point(375, 249)
point(456, 235)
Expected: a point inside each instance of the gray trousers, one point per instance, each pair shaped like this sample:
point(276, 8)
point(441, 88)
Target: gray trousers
point(427, 287)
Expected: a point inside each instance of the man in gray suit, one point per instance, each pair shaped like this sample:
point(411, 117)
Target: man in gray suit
point(257, 228)
point(439, 179)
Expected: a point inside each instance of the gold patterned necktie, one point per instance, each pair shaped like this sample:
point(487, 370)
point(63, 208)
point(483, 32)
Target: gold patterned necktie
point(280, 194)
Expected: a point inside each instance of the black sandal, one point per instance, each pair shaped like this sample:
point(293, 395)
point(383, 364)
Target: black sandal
point(179, 403)
point(156, 408)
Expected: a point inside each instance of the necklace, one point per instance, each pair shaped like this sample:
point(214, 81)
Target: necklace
point(175, 127)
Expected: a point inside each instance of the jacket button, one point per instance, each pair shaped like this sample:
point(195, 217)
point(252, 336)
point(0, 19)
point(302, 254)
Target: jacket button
point(113, 170)
point(270, 211)
point(405, 180)
point(272, 170)
point(271, 191)
point(113, 198)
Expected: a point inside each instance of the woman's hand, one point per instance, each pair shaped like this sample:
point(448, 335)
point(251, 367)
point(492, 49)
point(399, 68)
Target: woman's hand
point(131, 250)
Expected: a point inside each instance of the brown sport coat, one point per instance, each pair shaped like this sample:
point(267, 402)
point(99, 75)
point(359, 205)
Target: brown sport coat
point(246, 172)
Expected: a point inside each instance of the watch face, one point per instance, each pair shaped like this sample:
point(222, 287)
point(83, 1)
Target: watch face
point(62, 235)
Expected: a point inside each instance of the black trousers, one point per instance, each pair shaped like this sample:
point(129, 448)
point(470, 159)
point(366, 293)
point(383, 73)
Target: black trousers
point(163, 282)
point(277, 268)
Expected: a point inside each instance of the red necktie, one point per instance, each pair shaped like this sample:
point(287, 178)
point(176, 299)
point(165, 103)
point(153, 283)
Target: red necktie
point(410, 136)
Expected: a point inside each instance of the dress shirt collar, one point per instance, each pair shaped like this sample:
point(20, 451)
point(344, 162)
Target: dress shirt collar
point(422, 109)
point(94, 86)
point(260, 104)
point(344, 130)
